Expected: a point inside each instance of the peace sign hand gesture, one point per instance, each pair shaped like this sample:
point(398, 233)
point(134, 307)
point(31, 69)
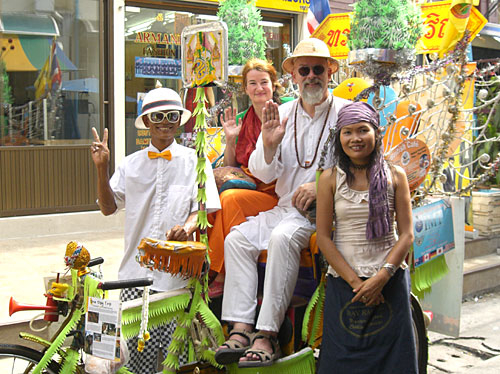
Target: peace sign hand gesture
point(99, 149)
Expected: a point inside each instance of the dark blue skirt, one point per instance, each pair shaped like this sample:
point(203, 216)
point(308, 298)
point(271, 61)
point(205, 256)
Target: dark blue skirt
point(361, 339)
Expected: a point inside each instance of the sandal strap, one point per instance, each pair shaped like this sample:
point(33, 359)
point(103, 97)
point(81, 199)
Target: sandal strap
point(261, 353)
point(272, 339)
point(243, 333)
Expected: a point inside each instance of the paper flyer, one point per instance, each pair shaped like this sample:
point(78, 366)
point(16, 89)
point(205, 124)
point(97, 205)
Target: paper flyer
point(102, 328)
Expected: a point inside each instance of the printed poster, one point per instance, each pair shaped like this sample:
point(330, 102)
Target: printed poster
point(102, 328)
point(155, 67)
point(433, 229)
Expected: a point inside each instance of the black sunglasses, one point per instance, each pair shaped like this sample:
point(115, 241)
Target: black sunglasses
point(317, 70)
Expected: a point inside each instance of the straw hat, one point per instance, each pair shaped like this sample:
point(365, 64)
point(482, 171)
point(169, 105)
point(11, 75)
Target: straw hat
point(161, 99)
point(311, 47)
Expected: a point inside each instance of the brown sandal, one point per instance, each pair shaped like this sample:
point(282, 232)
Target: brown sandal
point(231, 351)
point(265, 358)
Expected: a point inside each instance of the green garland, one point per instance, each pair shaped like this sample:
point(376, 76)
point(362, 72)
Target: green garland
point(386, 24)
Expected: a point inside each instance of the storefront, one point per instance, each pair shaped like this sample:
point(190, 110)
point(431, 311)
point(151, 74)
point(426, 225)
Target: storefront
point(68, 66)
point(153, 49)
point(52, 94)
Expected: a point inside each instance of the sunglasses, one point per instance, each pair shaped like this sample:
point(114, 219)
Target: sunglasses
point(317, 70)
point(172, 116)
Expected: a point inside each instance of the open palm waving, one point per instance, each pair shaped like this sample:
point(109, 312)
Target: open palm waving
point(272, 129)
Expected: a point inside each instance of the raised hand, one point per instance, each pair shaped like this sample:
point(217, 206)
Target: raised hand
point(99, 149)
point(272, 129)
point(231, 128)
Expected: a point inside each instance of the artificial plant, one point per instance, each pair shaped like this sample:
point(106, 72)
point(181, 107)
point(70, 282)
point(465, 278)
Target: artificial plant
point(245, 34)
point(385, 24)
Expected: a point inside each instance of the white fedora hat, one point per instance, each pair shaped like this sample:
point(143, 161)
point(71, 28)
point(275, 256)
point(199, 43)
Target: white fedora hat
point(310, 47)
point(161, 99)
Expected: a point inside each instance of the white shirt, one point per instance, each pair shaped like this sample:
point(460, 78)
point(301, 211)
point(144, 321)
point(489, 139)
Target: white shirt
point(284, 166)
point(158, 194)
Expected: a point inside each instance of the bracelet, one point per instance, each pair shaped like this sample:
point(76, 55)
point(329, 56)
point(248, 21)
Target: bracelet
point(391, 269)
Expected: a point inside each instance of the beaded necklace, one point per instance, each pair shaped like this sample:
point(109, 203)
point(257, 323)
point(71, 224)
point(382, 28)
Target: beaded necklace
point(307, 166)
point(359, 167)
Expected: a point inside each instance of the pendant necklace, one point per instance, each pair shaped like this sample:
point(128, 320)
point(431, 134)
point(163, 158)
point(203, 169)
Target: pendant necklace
point(306, 165)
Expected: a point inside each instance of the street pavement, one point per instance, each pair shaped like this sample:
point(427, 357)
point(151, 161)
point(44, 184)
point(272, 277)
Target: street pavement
point(477, 349)
point(25, 262)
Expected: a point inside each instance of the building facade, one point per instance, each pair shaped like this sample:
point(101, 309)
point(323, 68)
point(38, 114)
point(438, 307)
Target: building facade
point(70, 65)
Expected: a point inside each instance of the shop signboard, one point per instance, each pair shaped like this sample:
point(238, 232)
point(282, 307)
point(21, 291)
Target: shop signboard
point(335, 28)
point(299, 6)
point(433, 227)
point(153, 67)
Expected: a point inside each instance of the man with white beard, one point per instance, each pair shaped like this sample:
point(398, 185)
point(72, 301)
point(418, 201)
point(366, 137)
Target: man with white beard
point(288, 150)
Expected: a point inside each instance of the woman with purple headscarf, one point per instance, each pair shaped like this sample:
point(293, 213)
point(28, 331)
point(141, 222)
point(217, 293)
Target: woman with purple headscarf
point(367, 316)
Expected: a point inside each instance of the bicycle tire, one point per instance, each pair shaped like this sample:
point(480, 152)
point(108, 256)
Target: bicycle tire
point(21, 357)
point(421, 342)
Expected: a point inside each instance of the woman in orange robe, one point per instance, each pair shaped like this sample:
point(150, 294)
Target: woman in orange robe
point(260, 84)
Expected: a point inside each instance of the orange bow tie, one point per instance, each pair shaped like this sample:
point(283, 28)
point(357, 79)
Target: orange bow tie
point(165, 154)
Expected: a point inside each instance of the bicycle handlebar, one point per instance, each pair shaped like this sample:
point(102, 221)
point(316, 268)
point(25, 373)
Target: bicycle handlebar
point(95, 261)
point(126, 283)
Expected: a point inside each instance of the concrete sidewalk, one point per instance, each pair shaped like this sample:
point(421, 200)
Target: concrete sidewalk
point(32, 248)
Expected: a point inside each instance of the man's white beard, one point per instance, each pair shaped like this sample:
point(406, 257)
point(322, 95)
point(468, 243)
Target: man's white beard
point(312, 95)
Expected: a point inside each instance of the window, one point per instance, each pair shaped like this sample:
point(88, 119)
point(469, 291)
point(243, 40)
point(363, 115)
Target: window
point(50, 69)
point(153, 56)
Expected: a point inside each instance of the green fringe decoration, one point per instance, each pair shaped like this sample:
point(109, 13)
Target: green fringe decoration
point(202, 195)
point(124, 370)
point(427, 274)
point(202, 221)
point(180, 333)
point(90, 290)
point(157, 308)
point(160, 313)
point(201, 179)
point(211, 321)
point(70, 362)
point(200, 141)
point(200, 165)
point(176, 346)
point(318, 174)
point(58, 341)
point(200, 110)
point(200, 95)
point(171, 362)
point(314, 311)
point(298, 363)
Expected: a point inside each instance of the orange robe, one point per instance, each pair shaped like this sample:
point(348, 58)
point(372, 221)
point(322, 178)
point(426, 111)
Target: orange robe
point(236, 205)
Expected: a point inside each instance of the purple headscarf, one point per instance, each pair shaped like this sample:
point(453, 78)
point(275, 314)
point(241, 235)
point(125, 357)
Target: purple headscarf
point(379, 218)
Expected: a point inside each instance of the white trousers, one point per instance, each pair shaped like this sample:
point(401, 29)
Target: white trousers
point(287, 240)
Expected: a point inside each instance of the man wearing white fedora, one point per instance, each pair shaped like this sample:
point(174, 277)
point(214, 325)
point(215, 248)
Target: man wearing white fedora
point(157, 186)
point(288, 150)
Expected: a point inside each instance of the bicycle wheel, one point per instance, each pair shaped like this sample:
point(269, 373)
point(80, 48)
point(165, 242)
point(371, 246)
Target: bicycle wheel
point(15, 359)
point(421, 342)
